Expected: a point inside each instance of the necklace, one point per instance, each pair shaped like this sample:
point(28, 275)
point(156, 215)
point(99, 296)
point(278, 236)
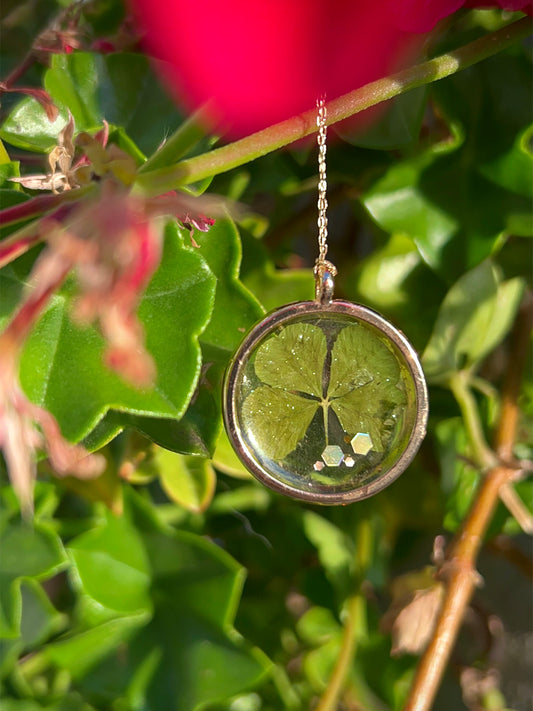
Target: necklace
point(325, 400)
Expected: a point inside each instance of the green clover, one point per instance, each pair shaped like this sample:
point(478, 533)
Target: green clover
point(360, 382)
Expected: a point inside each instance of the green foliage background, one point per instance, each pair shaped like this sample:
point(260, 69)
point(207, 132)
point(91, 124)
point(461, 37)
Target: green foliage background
point(208, 591)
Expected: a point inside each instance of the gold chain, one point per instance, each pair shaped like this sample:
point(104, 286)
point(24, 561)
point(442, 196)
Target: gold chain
point(323, 268)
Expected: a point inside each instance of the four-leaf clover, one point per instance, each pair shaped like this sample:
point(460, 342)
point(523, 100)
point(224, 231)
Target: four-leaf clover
point(356, 376)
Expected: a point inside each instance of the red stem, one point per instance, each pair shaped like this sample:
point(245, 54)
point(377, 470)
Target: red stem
point(31, 208)
point(19, 70)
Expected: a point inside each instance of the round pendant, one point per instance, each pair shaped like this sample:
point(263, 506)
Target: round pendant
point(325, 402)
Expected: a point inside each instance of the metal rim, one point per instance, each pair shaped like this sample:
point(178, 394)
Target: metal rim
point(268, 324)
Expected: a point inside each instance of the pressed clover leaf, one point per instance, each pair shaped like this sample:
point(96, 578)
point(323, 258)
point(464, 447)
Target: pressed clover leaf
point(361, 382)
point(280, 419)
point(293, 360)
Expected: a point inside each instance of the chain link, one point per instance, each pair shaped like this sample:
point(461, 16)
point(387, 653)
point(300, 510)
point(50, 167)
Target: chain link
point(322, 181)
point(322, 265)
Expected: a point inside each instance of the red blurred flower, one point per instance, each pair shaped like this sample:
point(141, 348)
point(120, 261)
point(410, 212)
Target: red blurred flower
point(262, 62)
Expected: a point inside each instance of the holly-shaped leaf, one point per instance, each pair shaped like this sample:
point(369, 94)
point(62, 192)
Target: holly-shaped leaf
point(111, 567)
point(28, 551)
point(62, 362)
point(475, 315)
point(187, 480)
point(458, 196)
point(235, 310)
point(118, 87)
point(39, 621)
point(188, 654)
point(361, 383)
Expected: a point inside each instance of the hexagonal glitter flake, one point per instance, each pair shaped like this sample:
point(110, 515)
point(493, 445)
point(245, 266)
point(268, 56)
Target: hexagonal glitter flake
point(362, 443)
point(332, 455)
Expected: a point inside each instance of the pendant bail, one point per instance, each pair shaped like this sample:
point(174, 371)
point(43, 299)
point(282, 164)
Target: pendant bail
point(324, 272)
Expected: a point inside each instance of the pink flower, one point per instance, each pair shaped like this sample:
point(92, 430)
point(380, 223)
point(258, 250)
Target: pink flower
point(24, 426)
point(112, 241)
point(260, 62)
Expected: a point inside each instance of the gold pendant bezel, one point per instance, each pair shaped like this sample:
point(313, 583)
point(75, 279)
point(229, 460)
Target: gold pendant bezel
point(268, 325)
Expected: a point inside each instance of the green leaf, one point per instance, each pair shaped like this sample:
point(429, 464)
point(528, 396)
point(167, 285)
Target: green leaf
point(400, 126)
point(235, 309)
point(40, 619)
point(118, 87)
point(513, 169)
point(459, 480)
point(111, 566)
point(21, 705)
point(189, 481)
point(245, 498)
point(398, 203)
point(72, 702)
point(359, 394)
point(475, 316)
point(278, 419)
point(396, 282)
point(195, 433)
point(376, 365)
point(28, 551)
point(10, 651)
point(186, 136)
point(335, 549)
point(8, 169)
point(273, 287)
point(319, 663)
point(318, 625)
point(131, 97)
point(11, 290)
point(226, 460)
point(4, 155)
point(80, 651)
point(189, 655)
point(293, 359)
point(457, 197)
point(62, 363)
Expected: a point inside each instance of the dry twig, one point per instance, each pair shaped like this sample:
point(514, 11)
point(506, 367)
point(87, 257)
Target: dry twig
point(461, 556)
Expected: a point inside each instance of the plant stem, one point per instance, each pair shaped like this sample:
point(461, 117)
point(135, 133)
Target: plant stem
point(325, 414)
point(355, 625)
point(462, 554)
point(354, 611)
point(40, 204)
point(26, 237)
point(282, 134)
point(460, 386)
point(517, 508)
